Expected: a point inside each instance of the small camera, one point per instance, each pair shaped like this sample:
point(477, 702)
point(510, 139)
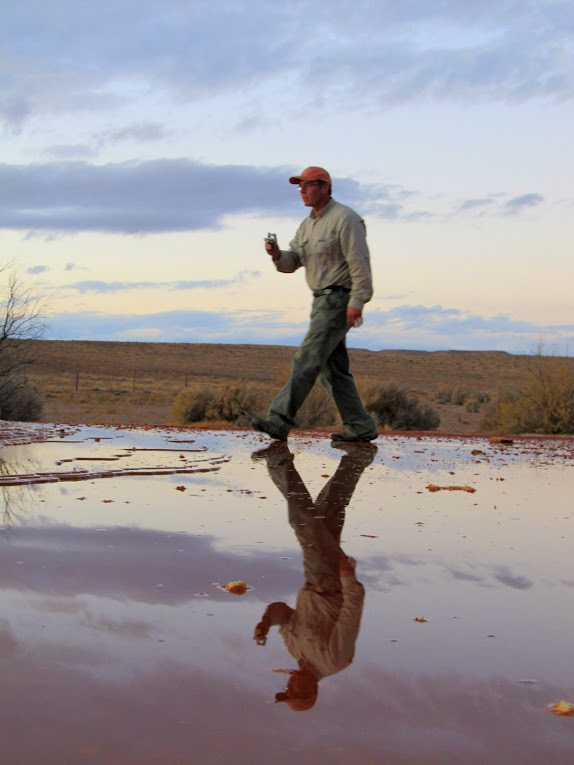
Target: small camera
point(271, 238)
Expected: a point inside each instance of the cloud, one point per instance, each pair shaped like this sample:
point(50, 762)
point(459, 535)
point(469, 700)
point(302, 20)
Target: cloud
point(82, 56)
point(407, 327)
point(70, 151)
point(103, 287)
point(516, 581)
point(517, 204)
point(169, 195)
point(37, 269)
point(435, 327)
point(473, 204)
point(60, 550)
point(158, 195)
point(141, 131)
point(180, 326)
point(499, 204)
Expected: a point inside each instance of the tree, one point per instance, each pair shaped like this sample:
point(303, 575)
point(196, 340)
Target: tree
point(21, 320)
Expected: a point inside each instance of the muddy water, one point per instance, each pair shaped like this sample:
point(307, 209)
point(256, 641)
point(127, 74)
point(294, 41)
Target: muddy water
point(119, 644)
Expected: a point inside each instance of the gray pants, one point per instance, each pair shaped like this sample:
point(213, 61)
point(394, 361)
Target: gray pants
point(323, 354)
point(318, 525)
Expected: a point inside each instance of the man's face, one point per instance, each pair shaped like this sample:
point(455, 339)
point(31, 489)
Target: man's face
point(314, 193)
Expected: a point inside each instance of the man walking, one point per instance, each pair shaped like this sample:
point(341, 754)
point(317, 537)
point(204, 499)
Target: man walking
point(331, 245)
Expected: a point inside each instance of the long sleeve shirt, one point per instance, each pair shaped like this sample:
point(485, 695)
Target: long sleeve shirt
point(332, 246)
point(323, 629)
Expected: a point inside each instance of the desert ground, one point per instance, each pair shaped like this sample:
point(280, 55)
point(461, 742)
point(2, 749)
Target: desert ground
point(117, 383)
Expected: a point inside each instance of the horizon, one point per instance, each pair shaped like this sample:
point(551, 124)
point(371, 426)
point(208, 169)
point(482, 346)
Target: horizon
point(294, 347)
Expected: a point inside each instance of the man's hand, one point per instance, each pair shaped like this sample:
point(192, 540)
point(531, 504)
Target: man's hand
point(354, 317)
point(272, 248)
point(261, 631)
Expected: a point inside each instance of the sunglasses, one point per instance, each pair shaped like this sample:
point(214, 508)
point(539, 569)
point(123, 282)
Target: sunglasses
point(309, 184)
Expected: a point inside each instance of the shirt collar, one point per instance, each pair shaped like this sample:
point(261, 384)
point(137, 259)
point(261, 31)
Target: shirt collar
point(328, 206)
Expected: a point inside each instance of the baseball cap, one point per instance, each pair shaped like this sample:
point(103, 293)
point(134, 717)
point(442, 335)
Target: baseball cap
point(312, 174)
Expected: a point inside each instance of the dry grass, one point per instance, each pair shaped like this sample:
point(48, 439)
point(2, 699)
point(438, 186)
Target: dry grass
point(136, 383)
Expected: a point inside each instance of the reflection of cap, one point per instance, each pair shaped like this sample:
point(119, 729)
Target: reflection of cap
point(312, 174)
point(297, 704)
point(301, 705)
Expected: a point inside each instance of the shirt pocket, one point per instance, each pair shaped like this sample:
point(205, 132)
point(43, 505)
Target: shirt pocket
point(327, 246)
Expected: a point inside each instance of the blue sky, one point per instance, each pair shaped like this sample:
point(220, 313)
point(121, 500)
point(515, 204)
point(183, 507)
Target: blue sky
point(145, 149)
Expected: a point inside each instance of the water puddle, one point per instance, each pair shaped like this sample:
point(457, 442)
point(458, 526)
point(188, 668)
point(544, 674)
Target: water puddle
point(186, 597)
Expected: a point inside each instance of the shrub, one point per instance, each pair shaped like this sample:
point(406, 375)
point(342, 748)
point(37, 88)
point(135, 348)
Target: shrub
point(232, 403)
point(318, 409)
point(545, 403)
point(191, 404)
point(459, 395)
point(443, 395)
point(394, 408)
point(19, 403)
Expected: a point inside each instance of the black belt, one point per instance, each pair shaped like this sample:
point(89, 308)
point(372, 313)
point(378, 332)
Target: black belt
point(329, 290)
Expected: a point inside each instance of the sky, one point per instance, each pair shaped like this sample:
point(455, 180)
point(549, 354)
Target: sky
point(145, 151)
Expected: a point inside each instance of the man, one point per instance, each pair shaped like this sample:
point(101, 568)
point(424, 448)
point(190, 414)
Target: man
point(321, 631)
point(331, 245)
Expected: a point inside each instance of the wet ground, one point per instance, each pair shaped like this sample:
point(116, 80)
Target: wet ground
point(120, 644)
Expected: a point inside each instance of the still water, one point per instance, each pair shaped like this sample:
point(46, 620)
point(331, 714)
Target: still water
point(120, 644)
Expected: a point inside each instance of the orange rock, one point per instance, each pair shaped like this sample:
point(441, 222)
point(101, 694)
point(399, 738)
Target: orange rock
point(434, 487)
point(236, 588)
point(562, 708)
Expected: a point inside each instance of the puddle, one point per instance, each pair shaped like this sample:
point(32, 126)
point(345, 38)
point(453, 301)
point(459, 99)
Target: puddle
point(119, 642)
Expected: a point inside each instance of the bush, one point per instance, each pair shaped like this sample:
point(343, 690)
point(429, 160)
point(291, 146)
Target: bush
point(232, 403)
point(545, 404)
point(19, 403)
point(443, 395)
point(394, 408)
point(318, 409)
point(459, 395)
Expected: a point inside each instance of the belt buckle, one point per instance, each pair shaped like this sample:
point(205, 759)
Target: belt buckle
point(327, 291)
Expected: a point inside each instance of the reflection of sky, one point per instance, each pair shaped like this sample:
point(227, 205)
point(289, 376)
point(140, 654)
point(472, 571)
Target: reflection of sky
point(110, 610)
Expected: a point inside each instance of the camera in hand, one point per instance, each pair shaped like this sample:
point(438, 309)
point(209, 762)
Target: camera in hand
point(271, 238)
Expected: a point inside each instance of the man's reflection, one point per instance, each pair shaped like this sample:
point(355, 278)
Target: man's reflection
point(321, 632)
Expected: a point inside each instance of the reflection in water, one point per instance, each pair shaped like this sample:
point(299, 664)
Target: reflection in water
point(15, 501)
point(322, 629)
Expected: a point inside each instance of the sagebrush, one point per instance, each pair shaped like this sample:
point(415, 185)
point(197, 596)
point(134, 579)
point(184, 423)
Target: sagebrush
point(394, 408)
point(239, 403)
point(544, 404)
point(231, 403)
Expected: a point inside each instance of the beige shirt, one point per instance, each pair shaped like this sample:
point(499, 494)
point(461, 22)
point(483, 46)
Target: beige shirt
point(323, 629)
point(332, 247)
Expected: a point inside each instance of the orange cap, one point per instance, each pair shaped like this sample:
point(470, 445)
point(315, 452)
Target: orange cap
point(312, 174)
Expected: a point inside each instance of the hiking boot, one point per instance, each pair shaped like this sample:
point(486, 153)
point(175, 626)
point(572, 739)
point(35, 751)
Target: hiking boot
point(278, 432)
point(350, 438)
point(356, 448)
